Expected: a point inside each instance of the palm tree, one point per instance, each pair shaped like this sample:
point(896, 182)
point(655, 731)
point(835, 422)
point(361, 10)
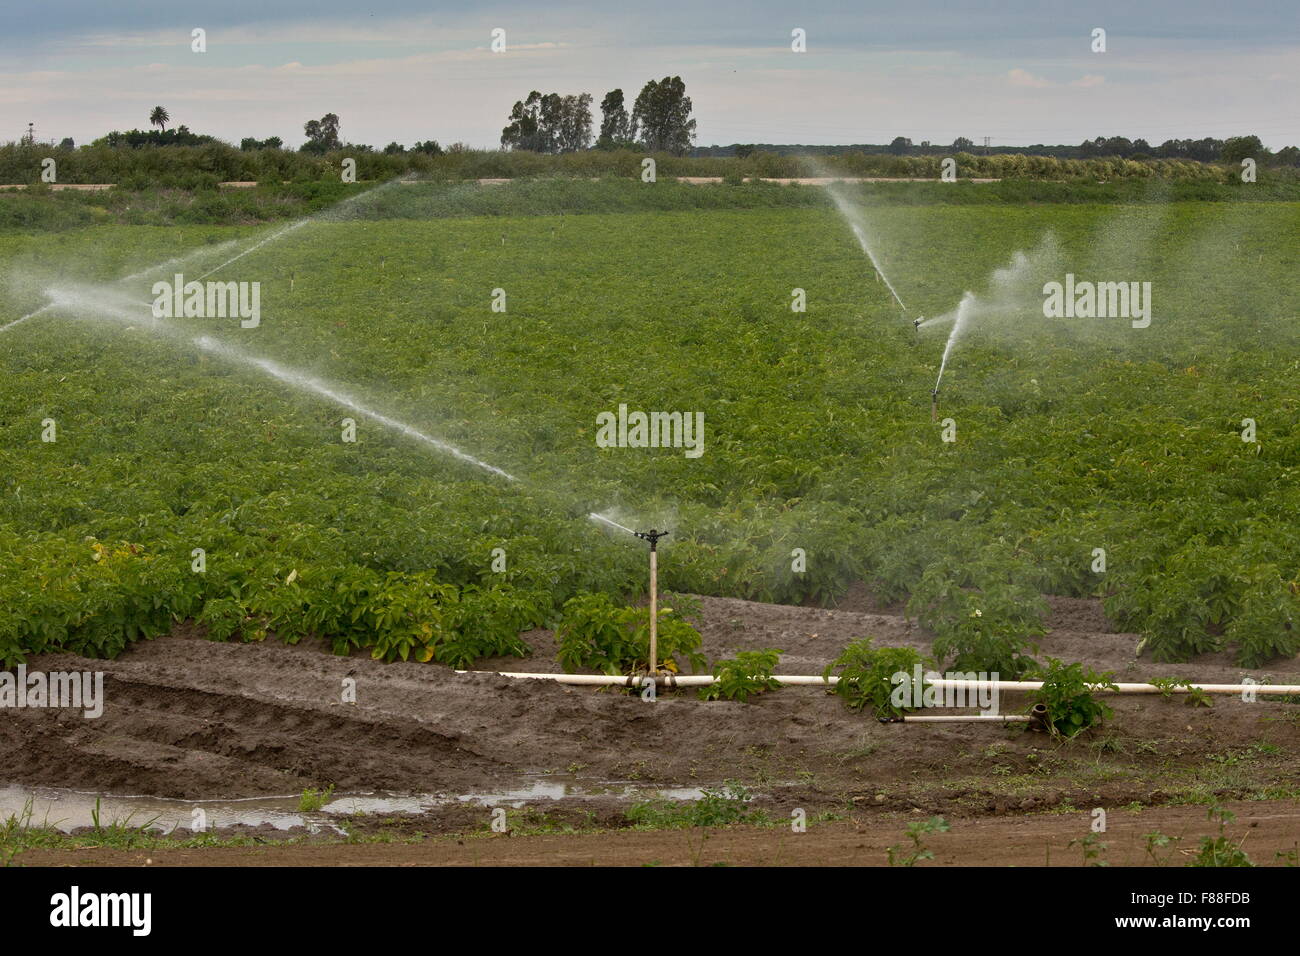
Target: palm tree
point(159, 118)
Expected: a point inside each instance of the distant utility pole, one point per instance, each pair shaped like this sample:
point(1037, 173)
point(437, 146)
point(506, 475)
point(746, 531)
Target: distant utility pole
point(31, 133)
point(986, 145)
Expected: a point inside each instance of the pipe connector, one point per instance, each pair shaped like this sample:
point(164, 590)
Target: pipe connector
point(1039, 719)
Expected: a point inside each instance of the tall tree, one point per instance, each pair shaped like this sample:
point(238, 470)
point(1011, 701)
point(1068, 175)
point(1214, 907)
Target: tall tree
point(322, 134)
point(549, 123)
point(160, 118)
point(1237, 148)
point(615, 124)
point(662, 116)
point(575, 123)
point(525, 119)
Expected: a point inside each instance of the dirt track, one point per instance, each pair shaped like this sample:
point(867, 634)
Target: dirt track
point(1263, 830)
point(189, 718)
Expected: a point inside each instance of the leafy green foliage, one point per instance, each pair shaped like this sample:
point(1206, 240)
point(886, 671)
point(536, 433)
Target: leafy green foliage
point(597, 634)
point(739, 678)
point(1194, 696)
point(1092, 849)
point(866, 676)
point(916, 832)
point(1268, 625)
point(1067, 693)
point(988, 630)
point(1219, 850)
point(716, 808)
point(1072, 437)
point(312, 799)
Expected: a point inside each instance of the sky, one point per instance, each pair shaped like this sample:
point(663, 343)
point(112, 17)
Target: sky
point(399, 70)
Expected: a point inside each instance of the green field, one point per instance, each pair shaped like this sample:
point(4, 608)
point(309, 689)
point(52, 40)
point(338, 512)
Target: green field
point(1072, 435)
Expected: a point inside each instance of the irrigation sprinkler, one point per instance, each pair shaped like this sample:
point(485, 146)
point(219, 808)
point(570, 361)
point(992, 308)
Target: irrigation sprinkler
point(653, 537)
point(934, 404)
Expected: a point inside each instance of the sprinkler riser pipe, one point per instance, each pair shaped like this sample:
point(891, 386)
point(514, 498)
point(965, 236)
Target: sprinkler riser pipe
point(654, 610)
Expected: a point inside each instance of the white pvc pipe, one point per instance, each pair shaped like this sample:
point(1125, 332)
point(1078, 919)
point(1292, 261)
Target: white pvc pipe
point(948, 718)
point(673, 680)
point(1118, 688)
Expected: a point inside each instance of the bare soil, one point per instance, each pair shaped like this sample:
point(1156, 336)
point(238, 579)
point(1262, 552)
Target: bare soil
point(189, 718)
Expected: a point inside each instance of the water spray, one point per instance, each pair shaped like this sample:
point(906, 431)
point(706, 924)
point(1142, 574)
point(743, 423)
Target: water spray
point(653, 537)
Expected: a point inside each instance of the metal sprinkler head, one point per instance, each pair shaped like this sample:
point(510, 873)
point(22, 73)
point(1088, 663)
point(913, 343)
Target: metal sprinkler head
point(652, 536)
point(916, 322)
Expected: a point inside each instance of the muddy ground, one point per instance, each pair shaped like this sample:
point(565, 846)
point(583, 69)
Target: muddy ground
point(1266, 832)
point(188, 718)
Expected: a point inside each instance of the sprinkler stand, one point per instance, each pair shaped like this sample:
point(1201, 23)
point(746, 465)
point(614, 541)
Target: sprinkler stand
point(653, 537)
point(934, 404)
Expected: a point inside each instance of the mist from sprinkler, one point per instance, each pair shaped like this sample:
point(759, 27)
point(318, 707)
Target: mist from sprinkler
point(853, 216)
point(1013, 292)
point(111, 301)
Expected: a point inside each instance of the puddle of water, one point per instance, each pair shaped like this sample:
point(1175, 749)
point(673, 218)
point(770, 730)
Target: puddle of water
point(66, 810)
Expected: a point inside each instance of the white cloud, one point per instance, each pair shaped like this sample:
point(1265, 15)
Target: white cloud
point(1019, 77)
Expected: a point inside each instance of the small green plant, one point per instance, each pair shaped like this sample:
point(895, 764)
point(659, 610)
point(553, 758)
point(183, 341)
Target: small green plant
point(313, 799)
point(1195, 697)
point(866, 677)
point(1219, 850)
point(1092, 848)
point(1067, 693)
point(715, 808)
point(597, 634)
point(740, 678)
point(1160, 848)
point(899, 855)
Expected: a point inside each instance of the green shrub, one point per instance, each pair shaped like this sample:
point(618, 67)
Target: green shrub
point(866, 676)
point(597, 634)
point(990, 629)
point(1067, 693)
point(1268, 625)
point(740, 678)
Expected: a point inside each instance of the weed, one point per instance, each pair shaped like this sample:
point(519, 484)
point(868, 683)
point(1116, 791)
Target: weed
point(899, 855)
point(1219, 850)
point(1160, 848)
point(716, 808)
point(313, 799)
point(1092, 849)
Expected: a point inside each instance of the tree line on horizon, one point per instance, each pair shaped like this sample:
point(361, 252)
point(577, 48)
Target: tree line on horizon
point(1205, 150)
point(660, 121)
